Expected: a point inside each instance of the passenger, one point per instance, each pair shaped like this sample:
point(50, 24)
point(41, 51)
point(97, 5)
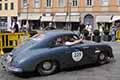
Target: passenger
point(67, 41)
point(73, 41)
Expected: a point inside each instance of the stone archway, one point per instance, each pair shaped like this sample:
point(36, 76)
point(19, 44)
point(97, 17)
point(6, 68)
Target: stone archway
point(89, 19)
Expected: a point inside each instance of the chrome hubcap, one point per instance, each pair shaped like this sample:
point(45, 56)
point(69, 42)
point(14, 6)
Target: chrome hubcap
point(47, 65)
point(102, 56)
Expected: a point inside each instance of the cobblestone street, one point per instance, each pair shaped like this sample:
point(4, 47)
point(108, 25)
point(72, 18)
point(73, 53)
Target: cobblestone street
point(109, 71)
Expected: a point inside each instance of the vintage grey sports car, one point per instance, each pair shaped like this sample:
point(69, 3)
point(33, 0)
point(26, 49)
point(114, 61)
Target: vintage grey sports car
point(44, 54)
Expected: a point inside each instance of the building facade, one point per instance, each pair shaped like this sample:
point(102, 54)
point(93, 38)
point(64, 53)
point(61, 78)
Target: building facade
point(8, 12)
point(68, 13)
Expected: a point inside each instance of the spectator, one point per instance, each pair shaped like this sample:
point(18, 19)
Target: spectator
point(25, 26)
point(89, 28)
point(50, 27)
point(16, 28)
point(101, 31)
point(113, 32)
point(81, 27)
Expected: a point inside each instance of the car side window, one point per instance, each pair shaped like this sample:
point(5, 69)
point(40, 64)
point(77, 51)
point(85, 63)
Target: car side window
point(58, 41)
point(75, 37)
point(70, 38)
point(51, 44)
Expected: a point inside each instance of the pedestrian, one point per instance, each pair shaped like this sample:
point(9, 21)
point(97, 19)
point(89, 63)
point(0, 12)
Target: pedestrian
point(81, 28)
point(101, 31)
point(113, 32)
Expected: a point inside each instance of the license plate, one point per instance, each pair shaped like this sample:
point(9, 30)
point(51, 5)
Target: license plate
point(9, 58)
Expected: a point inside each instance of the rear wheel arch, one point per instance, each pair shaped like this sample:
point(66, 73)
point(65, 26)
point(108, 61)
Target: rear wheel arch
point(110, 53)
point(107, 53)
point(105, 59)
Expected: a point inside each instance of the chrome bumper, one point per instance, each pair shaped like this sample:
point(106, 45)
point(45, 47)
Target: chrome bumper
point(7, 67)
point(14, 69)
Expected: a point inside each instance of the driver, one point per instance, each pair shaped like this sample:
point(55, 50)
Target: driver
point(59, 41)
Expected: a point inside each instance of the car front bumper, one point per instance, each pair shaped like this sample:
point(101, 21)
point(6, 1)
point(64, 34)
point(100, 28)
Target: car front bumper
point(14, 69)
point(8, 67)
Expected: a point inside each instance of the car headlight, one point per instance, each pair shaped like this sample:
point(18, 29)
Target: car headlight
point(14, 63)
point(10, 53)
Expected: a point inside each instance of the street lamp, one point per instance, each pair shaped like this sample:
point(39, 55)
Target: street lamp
point(66, 25)
point(27, 6)
point(40, 23)
point(69, 13)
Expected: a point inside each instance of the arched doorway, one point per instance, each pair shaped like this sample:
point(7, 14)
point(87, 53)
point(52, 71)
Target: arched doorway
point(89, 19)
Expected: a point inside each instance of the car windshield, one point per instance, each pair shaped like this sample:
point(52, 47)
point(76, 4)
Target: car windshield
point(38, 37)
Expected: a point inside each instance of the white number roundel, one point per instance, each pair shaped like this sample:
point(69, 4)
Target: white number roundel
point(77, 56)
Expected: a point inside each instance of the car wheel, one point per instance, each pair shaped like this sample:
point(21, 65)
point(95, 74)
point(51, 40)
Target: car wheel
point(102, 58)
point(47, 67)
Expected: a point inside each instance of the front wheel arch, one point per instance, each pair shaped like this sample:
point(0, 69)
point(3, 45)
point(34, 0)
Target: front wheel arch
point(55, 61)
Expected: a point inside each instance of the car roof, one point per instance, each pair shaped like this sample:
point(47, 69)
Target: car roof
point(47, 35)
point(58, 32)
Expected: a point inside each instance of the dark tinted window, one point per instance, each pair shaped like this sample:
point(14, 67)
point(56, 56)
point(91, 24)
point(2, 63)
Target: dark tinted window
point(71, 37)
point(0, 6)
point(56, 42)
point(6, 6)
point(38, 37)
point(12, 6)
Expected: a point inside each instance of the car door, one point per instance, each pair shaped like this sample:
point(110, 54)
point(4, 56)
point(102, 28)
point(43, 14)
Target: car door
point(89, 53)
point(70, 55)
point(82, 55)
point(75, 53)
point(79, 54)
point(60, 52)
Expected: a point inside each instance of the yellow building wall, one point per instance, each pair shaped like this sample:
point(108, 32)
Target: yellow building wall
point(9, 12)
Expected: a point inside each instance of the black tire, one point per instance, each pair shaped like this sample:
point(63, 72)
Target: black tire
point(102, 58)
point(47, 67)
